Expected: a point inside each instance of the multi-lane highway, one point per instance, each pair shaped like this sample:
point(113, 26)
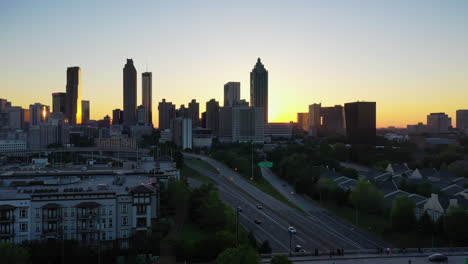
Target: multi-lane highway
point(312, 232)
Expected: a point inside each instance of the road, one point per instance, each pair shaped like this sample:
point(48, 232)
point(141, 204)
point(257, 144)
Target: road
point(312, 232)
point(382, 260)
point(317, 212)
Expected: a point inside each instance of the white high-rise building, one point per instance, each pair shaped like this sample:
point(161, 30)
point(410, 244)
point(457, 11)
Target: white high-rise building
point(183, 132)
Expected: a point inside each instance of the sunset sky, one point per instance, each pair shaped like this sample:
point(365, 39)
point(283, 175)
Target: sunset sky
point(411, 57)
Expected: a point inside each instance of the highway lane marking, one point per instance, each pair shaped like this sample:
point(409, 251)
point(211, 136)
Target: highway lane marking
point(276, 240)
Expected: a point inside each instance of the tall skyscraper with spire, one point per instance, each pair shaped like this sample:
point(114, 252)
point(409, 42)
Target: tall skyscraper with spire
point(146, 96)
point(259, 87)
point(73, 106)
point(129, 93)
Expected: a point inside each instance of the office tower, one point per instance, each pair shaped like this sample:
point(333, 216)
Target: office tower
point(462, 119)
point(58, 120)
point(117, 117)
point(38, 113)
point(146, 96)
point(212, 116)
point(303, 121)
point(59, 102)
point(438, 123)
point(331, 120)
point(259, 88)
point(141, 115)
point(183, 132)
point(4, 104)
point(85, 111)
point(203, 120)
point(166, 114)
point(360, 120)
point(15, 117)
point(231, 93)
point(225, 124)
point(194, 112)
point(247, 124)
point(74, 95)
point(129, 93)
point(314, 119)
point(182, 112)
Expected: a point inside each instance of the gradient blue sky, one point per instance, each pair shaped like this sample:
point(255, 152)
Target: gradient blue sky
point(411, 57)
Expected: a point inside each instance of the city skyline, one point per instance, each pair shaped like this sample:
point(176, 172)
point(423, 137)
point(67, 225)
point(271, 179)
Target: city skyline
point(314, 62)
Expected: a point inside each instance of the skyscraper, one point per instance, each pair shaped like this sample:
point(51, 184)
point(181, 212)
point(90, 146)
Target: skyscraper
point(166, 114)
point(314, 119)
point(129, 93)
point(85, 109)
point(259, 88)
point(360, 120)
point(212, 116)
point(74, 95)
point(182, 128)
point(231, 93)
point(117, 117)
point(146, 96)
point(59, 101)
point(303, 121)
point(194, 112)
point(38, 113)
point(331, 120)
point(141, 115)
point(438, 123)
point(462, 119)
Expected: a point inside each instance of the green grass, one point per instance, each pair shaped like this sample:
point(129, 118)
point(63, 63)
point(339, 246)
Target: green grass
point(187, 172)
point(264, 185)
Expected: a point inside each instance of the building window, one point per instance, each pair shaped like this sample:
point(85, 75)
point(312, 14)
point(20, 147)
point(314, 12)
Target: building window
point(65, 212)
point(110, 210)
point(38, 226)
point(141, 209)
point(103, 223)
point(124, 208)
point(23, 227)
point(38, 213)
point(103, 235)
point(141, 222)
point(72, 212)
point(110, 222)
point(23, 212)
point(124, 233)
point(65, 225)
point(124, 220)
point(103, 211)
point(109, 236)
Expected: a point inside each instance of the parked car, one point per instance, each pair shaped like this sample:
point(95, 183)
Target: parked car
point(437, 257)
point(292, 230)
point(257, 221)
point(259, 206)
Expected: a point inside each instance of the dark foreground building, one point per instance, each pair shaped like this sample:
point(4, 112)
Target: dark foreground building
point(360, 120)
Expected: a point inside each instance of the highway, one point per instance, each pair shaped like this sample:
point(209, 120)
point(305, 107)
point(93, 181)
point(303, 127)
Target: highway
point(312, 232)
point(381, 260)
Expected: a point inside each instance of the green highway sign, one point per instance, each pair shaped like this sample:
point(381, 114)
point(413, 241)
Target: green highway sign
point(265, 164)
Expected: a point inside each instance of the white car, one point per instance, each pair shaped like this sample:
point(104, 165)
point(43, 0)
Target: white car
point(292, 230)
point(259, 206)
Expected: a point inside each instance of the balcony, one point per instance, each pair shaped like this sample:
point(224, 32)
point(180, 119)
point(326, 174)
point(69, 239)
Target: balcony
point(10, 233)
point(87, 216)
point(49, 232)
point(6, 219)
point(82, 229)
point(47, 218)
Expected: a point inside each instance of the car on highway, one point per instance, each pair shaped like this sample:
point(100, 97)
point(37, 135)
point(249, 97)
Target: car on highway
point(292, 192)
point(257, 221)
point(292, 229)
point(437, 257)
point(259, 206)
point(299, 249)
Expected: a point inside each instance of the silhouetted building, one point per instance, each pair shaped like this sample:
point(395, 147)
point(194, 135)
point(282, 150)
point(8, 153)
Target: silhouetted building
point(194, 112)
point(182, 112)
point(146, 95)
point(73, 95)
point(360, 120)
point(38, 113)
point(438, 123)
point(129, 93)
point(203, 120)
point(278, 130)
point(117, 117)
point(462, 119)
point(212, 116)
point(314, 119)
point(85, 110)
point(303, 121)
point(331, 120)
point(4, 104)
point(259, 88)
point(166, 114)
point(15, 117)
point(59, 102)
point(241, 124)
point(231, 93)
point(141, 115)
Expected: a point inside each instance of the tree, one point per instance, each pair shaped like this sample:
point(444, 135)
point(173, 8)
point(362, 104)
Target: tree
point(240, 255)
point(365, 196)
point(426, 226)
point(350, 173)
point(179, 159)
point(11, 253)
point(455, 225)
point(280, 260)
point(265, 248)
point(403, 218)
